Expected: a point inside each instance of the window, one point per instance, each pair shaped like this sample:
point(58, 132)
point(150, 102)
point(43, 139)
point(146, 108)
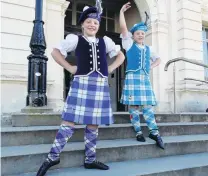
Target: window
point(205, 49)
point(107, 21)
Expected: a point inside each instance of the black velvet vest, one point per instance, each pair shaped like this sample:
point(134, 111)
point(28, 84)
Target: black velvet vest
point(91, 57)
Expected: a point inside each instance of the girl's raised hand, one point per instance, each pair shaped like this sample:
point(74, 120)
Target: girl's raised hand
point(125, 7)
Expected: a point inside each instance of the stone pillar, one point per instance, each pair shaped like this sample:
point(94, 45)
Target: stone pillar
point(190, 37)
point(190, 97)
point(55, 13)
point(160, 43)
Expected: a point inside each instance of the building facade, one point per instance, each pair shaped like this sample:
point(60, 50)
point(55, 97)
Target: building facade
point(178, 28)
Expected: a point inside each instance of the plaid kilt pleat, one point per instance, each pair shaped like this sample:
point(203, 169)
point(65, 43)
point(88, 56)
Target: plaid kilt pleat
point(137, 90)
point(88, 101)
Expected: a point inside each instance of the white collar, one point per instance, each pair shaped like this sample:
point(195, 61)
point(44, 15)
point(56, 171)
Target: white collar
point(91, 39)
point(140, 46)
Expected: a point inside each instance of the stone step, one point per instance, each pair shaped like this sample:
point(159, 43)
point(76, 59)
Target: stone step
point(181, 165)
point(13, 136)
point(23, 159)
point(54, 118)
point(30, 109)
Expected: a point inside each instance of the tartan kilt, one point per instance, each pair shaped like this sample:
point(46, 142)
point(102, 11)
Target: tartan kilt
point(88, 101)
point(137, 90)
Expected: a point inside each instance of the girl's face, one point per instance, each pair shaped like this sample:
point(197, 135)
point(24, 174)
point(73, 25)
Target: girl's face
point(139, 36)
point(90, 26)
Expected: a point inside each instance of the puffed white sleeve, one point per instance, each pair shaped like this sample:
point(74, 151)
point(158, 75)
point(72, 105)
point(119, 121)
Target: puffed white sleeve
point(127, 41)
point(68, 44)
point(153, 55)
point(111, 48)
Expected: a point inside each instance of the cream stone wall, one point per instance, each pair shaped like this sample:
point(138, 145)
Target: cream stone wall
point(16, 28)
point(189, 28)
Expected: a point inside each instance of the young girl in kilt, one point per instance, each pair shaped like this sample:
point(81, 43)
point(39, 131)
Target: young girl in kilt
point(137, 91)
point(88, 100)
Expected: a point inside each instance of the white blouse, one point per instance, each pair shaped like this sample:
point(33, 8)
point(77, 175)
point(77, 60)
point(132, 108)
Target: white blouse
point(127, 43)
point(70, 43)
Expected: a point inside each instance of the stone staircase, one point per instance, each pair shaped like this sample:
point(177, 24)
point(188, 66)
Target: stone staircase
point(25, 146)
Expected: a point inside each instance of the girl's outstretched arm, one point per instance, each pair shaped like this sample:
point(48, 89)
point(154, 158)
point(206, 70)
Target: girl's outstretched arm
point(122, 21)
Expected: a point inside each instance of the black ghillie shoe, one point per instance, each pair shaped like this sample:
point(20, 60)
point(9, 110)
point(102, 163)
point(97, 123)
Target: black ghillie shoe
point(140, 138)
point(46, 165)
point(96, 165)
point(158, 140)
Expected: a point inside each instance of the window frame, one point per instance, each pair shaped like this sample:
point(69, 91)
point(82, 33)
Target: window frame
point(106, 17)
point(205, 43)
point(205, 29)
